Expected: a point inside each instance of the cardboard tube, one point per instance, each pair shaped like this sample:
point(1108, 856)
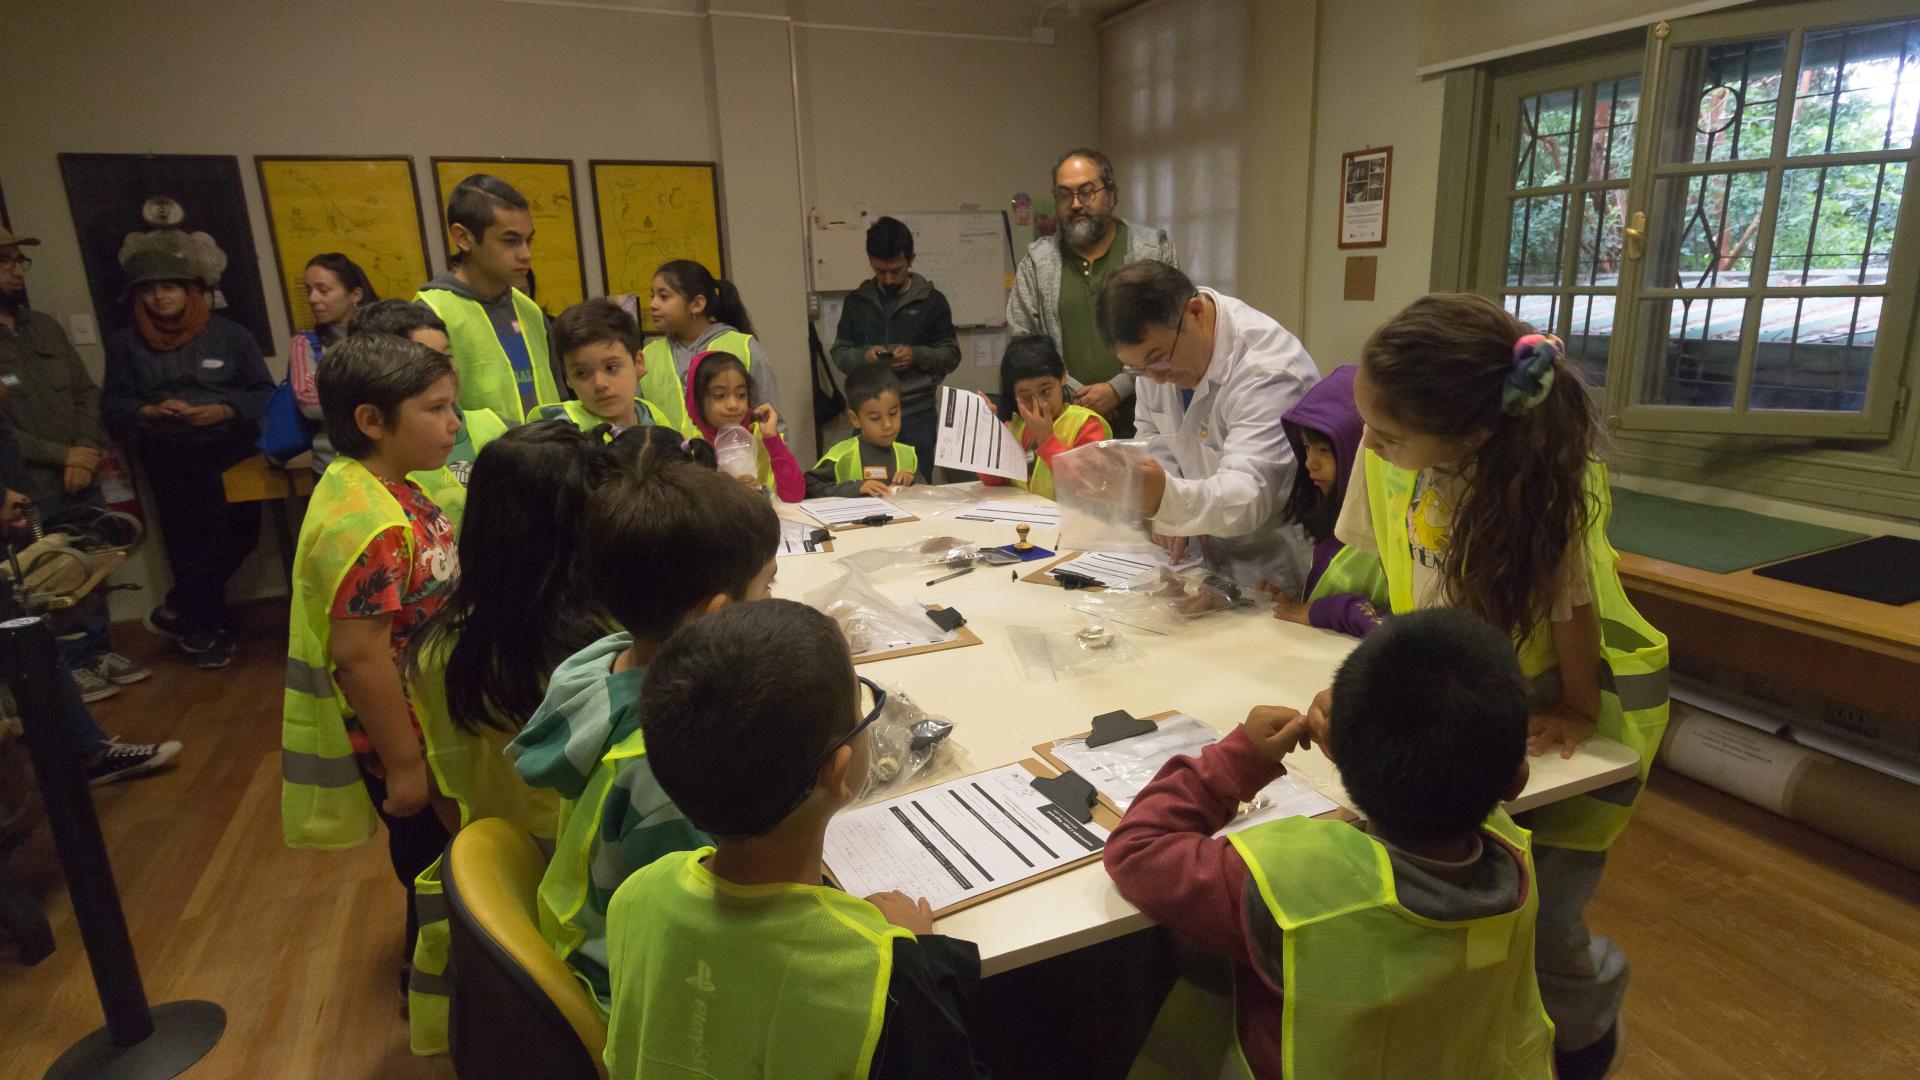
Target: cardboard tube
point(1848, 802)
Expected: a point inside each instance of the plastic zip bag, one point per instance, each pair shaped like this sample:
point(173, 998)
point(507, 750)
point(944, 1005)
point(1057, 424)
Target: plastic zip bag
point(1068, 651)
point(1098, 489)
point(872, 622)
point(948, 551)
point(907, 742)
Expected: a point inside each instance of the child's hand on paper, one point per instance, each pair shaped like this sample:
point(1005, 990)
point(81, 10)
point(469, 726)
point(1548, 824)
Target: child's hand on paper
point(903, 478)
point(991, 407)
point(1555, 725)
point(877, 489)
point(1277, 730)
point(915, 916)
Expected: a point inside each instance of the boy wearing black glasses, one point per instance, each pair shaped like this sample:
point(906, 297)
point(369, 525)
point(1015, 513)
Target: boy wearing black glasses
point(734, 960)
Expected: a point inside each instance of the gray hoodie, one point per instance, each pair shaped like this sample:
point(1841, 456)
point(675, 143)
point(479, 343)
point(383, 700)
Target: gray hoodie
point(1034, 305)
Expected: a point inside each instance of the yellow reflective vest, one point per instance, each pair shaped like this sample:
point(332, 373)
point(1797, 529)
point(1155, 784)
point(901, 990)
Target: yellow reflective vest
point(1373, 990)
point(845, 456)
point(1633, 670)
point(486, 375)
point(447, 485)
point(660, 383)
point(322, 802)
point(576, 414)
point(1066, 428)
point(716, 979)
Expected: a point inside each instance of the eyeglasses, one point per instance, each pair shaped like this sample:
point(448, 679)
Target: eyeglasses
point(879, 705)
point(1083, 194)
point(17, 262)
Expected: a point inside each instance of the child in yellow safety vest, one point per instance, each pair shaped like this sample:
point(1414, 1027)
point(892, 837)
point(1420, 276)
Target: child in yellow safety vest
point(479, 667)
point(1033, 387)
point(720, 397)
point(375, 561)
point(666, 541)
point(734, 959)
point(1477, 488)
point(599, 347)
point(874, 461)
point(1400, 948)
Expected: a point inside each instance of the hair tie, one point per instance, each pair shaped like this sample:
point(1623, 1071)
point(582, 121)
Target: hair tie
point(686, 444)
point(1531, 379)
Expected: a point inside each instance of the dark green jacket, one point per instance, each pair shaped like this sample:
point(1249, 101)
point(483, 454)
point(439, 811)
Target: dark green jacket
point(50, 404)
point(921, 319)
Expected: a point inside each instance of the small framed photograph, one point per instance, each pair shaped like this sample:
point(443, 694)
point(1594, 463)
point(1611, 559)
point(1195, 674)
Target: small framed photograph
point(1366, 177)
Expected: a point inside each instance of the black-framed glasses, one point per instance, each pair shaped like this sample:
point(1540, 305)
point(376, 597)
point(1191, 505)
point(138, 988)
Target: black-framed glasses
point(806, 791)
point(1085, 193)
point(17, 262)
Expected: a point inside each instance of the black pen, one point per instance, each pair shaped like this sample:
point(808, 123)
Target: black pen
point(951, 576)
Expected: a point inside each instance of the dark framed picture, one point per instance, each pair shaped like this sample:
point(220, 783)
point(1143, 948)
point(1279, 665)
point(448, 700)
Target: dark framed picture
point(1366, 177)
point(192, 204)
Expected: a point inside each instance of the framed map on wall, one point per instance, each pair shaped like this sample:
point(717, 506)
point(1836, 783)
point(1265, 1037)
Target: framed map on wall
point(559, 277)
point(191, 204)
point(650, 212)
point(366, 208)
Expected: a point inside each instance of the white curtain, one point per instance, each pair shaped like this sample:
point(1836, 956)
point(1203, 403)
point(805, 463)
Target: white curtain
point(1172, 88)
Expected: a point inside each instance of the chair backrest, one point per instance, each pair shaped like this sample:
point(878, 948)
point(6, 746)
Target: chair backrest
point(517, 1009)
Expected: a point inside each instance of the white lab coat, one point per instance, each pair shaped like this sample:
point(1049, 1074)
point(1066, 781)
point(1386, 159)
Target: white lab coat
point(1229, 465)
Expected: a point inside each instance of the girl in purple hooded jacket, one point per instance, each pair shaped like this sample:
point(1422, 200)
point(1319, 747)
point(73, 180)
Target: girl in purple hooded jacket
point(1325, 430)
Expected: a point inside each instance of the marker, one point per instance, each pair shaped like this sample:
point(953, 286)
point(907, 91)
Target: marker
point(951, 576)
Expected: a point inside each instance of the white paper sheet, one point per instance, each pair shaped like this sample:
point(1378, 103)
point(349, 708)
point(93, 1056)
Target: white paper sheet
point(974, 440)
point(956, 840)
point(1012, 511)
point(849, 511)
point(796, 538)
point(1116, 568)
point(1120, 770)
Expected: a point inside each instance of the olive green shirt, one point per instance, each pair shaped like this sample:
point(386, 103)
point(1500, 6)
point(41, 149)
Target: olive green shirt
point(1088, 357)
point(50, 401)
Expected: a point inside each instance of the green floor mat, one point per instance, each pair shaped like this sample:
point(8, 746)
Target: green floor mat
point(1713, 538)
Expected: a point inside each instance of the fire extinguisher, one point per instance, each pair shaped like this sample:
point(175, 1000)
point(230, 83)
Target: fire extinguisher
point(115, 476)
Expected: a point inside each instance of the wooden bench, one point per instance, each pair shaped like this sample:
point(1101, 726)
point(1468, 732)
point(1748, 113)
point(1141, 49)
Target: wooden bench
point(259, 480)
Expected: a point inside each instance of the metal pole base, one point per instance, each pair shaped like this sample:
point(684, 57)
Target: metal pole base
point(183, 1032)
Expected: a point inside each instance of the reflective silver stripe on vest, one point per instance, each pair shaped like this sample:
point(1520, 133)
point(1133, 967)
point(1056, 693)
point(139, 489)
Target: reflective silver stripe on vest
point(316, 771)
point(426, 982)
point(306, 679)
point(1636, 692)
point(429, 907)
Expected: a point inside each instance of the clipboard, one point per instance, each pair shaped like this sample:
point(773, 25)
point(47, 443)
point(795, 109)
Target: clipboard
point(1103, 816)
point(1043, 576)
point(962, 637)
point(1105, 805)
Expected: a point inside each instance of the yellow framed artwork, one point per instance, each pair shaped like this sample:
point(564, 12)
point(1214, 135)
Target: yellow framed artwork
point(559, 276)
point(366, 208)
point(649, 212)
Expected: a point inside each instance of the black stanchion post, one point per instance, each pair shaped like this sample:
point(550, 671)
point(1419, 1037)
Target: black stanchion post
point(137, 1042)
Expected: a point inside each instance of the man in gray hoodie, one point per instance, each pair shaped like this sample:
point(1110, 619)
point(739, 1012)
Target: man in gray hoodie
point(1059, 282)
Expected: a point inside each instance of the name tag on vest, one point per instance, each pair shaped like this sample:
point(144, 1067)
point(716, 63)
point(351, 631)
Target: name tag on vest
point(873, 472)
point(210, 363)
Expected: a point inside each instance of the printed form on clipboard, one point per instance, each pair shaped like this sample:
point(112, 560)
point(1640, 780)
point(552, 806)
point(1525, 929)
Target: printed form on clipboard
point(972, 439)
point(842, 513)
point(1120, 770)
point(957, 841)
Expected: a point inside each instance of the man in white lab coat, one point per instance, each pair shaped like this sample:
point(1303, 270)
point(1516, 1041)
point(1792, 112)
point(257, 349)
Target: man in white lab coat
point(1219, 375)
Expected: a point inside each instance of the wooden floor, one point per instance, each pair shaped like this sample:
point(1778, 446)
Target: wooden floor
point(1759, 949)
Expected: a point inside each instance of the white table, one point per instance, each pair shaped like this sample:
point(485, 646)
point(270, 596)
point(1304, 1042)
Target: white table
point(1214, 669)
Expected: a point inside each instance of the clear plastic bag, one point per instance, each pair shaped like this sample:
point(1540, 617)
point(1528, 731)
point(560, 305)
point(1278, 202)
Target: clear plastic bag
point(947, 551)
point(1068, 651)
point(1098, 489)
point(907, 741)
point(1163, 602)
point(872, 622)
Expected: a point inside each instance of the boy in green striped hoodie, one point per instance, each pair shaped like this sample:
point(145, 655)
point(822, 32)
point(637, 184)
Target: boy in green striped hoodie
point(666, 541)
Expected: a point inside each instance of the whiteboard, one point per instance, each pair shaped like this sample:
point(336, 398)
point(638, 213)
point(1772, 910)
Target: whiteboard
point(963, 252)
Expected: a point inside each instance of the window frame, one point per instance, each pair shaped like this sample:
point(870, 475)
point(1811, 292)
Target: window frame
point(1629, 363)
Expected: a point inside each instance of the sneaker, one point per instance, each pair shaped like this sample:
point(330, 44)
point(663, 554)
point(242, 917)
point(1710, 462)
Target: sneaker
point(92, 687)
point(118, 760)
point(121, 671)
point(1595, 1062)
point(217, 654)
point(176, 627)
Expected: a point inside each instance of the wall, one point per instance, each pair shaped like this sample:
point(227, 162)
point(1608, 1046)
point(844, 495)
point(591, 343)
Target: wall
point(233, 77)
point(1367, 95)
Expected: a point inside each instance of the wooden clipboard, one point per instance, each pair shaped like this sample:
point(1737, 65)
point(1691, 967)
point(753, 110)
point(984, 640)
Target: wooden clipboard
point(962, 638)
point(1045, 750)
point(1103, 816)
point(1043, 576)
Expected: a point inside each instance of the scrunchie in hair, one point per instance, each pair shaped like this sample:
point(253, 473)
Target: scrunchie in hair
point(1531, 380)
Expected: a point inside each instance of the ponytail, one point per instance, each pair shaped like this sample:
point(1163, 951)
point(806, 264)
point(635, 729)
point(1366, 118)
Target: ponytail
point(639, 450)
point(695, 282)
point(1457, 365)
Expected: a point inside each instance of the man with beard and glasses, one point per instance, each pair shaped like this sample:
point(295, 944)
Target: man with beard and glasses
point(899, 319)
point(1059, 282)
point(51, 408)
